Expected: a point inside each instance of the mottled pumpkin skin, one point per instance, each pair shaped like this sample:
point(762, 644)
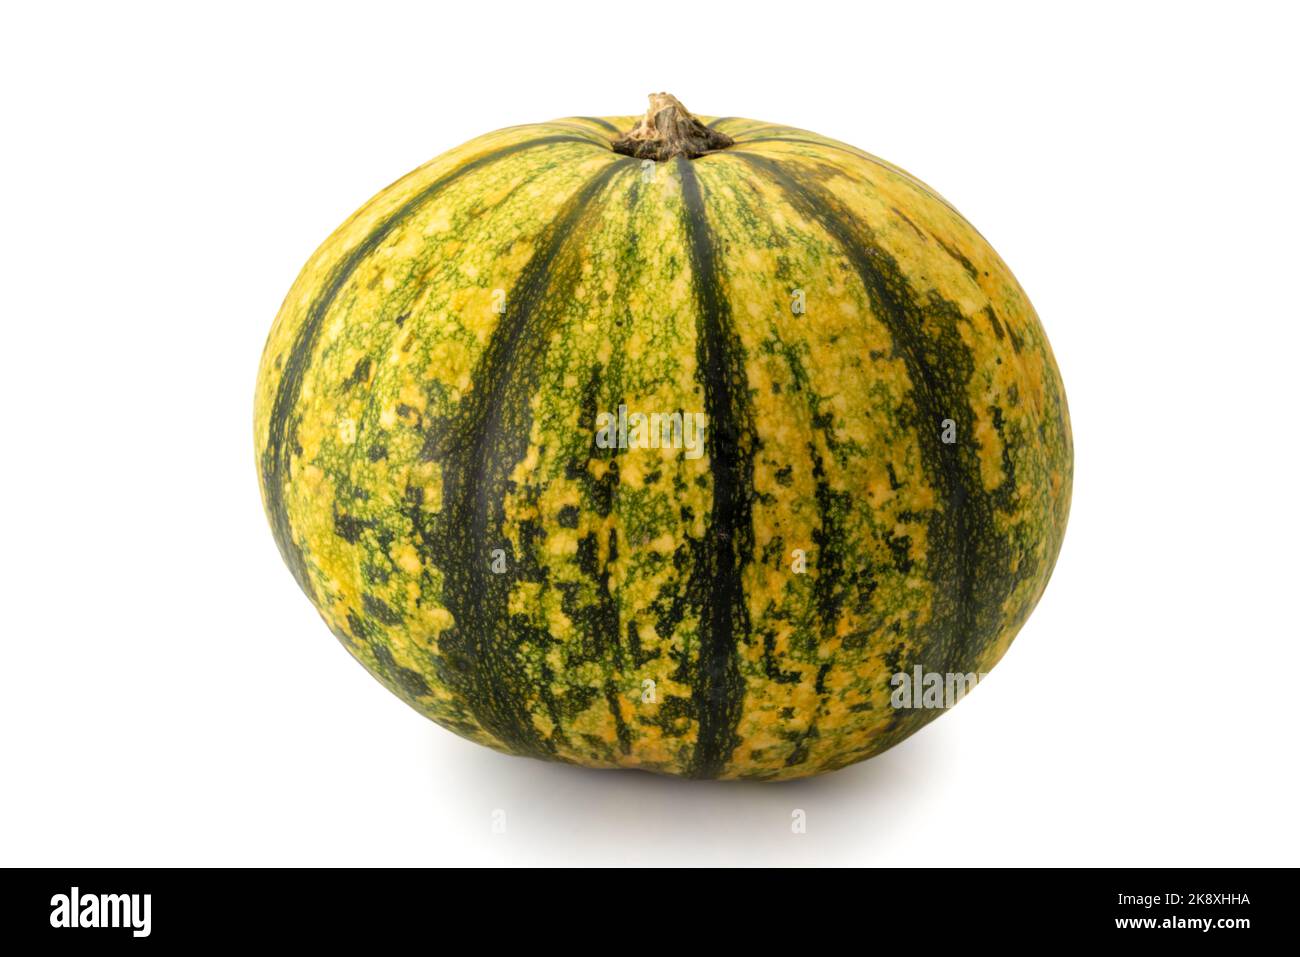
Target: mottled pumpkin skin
point(427, 401)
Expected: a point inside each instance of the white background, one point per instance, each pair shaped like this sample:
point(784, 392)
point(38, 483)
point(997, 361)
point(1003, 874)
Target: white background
point(167, 696)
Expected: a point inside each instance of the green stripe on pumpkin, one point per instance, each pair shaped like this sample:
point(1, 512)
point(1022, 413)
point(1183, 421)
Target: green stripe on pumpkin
point(729, 542)
point(275, 457)
point(478, 449)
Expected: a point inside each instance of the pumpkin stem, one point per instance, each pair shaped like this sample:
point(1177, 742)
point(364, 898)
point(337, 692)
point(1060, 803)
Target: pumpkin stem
point(669, 130)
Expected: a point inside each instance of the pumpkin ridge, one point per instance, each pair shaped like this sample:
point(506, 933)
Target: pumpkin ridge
point(487, 436)
point(729, 539)
point(991, 571)
point(963, 532)
point(831, 581)
point(602, 123)
point(375, 390)
point(277, 452)
point(859, 154)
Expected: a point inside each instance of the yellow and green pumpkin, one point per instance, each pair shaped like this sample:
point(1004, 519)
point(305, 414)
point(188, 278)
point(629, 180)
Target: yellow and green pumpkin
point(472, 432)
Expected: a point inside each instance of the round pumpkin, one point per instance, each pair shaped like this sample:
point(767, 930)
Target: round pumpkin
point(709, 448)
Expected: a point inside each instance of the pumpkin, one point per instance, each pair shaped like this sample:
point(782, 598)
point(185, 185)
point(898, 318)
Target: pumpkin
point(675, 444)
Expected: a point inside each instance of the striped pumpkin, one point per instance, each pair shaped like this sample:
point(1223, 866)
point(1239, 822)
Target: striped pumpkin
point(881, 484)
